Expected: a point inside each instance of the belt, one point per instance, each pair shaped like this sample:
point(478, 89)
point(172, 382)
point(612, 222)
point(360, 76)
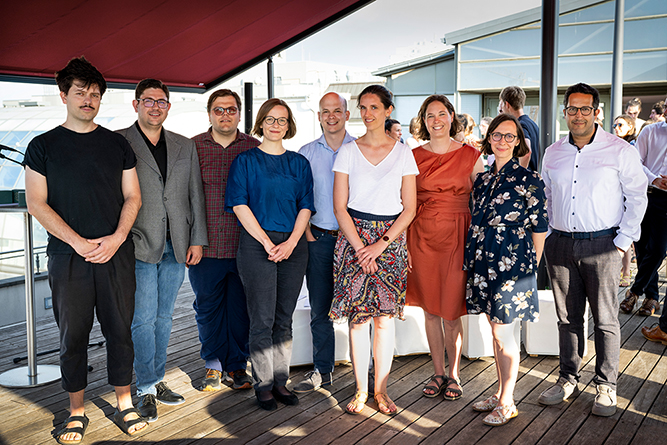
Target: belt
point(586, 235)
point(657, 190)
point(328, 232)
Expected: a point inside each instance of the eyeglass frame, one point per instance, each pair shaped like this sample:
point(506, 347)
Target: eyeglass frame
point(579, 110)
point(229, 110)
point(502, 136)
point(155, 102)
point(276, 119)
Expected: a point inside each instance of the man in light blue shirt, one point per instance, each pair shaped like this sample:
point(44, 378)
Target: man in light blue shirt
point(321, 235)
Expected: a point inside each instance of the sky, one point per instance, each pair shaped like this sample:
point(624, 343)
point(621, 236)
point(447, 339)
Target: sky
point(369, 37)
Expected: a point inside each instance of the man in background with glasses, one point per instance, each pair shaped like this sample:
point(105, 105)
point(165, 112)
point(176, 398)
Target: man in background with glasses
point(220, 303)
point(596, 195)
point(168, 234)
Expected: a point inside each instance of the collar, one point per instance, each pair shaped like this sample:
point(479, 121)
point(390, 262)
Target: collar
point(323, 141)
point(148, 141)
point(239, 137)
point(571, 139)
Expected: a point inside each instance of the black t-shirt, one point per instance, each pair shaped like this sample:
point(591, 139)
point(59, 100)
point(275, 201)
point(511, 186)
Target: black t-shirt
point(532, 132)
point(84, 178)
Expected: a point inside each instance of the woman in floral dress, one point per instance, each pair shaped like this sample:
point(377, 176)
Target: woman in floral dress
point(505, 241)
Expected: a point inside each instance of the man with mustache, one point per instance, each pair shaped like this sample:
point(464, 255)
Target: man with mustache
point(81, 185)
point(220, 303)
point(321, 235)
point(596, 195)
point(168, 235)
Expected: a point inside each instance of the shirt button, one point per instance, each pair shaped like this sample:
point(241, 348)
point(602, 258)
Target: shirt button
point(575, 181)
point(164, 219)
point(165, 198)
point(576, 166)
point(572, 213)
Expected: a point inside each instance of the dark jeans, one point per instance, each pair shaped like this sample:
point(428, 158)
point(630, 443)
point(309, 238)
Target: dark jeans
point(651, 246)
point(81, 289)
point(319, 278)
point(272, 290)
point(581, 270)
point(221, 312)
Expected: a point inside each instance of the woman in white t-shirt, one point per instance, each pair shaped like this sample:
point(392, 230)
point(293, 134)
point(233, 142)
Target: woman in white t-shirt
point(374, 202)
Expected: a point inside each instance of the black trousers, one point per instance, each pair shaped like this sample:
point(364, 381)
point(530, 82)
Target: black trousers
point(81, 289)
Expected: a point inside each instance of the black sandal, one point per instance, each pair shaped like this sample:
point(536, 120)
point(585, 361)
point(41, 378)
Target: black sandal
point(125, 425)
point(77, 429)
point(458, 392)
point(434, 386)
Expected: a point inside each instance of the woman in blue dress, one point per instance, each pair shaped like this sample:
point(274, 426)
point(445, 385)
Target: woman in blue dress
point(505, 241)
point(270, 190)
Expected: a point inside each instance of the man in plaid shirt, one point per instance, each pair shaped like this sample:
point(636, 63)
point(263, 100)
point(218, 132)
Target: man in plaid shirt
point(220, 303)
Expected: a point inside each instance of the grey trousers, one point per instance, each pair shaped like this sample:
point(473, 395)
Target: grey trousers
point(272, 290)
point(583, 269)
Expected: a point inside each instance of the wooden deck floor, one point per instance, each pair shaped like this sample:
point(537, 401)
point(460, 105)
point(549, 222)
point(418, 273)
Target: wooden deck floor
point(28, 416)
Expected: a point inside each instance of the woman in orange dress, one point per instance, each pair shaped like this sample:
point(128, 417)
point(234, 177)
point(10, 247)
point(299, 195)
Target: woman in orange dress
point(437, 238)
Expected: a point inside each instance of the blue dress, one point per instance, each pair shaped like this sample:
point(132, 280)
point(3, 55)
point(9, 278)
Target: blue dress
point(500, 256)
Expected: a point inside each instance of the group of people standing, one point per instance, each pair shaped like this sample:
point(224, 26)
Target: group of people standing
point(371, 223)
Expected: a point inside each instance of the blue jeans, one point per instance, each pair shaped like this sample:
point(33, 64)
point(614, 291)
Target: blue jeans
point(157, 288)
point(221, 312)
point(319, 278)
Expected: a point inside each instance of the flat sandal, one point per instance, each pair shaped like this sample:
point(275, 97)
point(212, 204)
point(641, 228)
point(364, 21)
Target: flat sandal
point(383, 400)
point(497, 418)
point(435, 386)
point(358, 403)
point(484, 406)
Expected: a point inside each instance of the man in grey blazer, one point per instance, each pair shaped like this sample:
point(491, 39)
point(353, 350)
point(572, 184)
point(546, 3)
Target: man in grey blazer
point(168, 234)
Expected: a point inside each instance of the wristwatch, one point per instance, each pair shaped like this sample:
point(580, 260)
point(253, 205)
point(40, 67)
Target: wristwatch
point(385, 238)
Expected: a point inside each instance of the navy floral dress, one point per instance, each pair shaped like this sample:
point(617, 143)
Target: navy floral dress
point(500, 256)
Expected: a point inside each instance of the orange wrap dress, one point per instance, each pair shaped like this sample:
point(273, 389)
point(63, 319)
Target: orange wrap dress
point(437, 235)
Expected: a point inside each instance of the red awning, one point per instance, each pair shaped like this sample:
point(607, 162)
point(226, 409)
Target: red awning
point(187, 44)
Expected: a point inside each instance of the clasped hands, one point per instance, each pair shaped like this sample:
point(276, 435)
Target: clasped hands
point(280, 252)
point(367, 255)
point(99, 250)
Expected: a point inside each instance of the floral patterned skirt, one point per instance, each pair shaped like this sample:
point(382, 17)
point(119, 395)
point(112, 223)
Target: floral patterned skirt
point(358, 296)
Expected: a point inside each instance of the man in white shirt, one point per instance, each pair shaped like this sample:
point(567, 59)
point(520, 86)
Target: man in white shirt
point(652, 245)
point(632, 109)
point(321, 235)
point(596, 194)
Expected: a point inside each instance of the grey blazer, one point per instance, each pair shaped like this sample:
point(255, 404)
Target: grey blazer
point(181, 199)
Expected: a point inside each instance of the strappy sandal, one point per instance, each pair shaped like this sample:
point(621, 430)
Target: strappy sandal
point(484, 406)
point(434, 386)
point(626, 280)
point(628, 303)
point(81, 430)
point(357, 404)
point(457, 391)
point(125, 425)
point(649, 307)
point(384, 402)
point(497, 418)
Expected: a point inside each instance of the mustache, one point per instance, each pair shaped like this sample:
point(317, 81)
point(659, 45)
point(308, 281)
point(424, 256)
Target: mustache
point(87, 106)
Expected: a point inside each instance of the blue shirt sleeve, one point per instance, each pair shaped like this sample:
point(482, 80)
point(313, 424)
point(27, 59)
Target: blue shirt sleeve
point(236, 192)
point(306, 198)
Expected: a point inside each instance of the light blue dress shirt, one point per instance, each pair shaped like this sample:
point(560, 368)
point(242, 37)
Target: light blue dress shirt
point(321, 158)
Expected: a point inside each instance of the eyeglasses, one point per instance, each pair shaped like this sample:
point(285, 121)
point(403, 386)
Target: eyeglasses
point(270, 120)
point(509, 137)
point(616, 125)
point(219, 111)
point(150, 103)
point(585, 111)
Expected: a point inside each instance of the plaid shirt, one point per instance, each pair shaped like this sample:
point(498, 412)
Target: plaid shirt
point(215, 160)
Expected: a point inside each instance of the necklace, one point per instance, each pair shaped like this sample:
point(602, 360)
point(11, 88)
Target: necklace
point(439, 155)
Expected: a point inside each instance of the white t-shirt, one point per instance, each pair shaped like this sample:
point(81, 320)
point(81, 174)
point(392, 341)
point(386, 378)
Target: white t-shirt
point(375, 189)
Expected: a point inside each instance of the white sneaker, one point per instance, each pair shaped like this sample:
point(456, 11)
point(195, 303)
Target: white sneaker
point(561, 391)
point(605, 401)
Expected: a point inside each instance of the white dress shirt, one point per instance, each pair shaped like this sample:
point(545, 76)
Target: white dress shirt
point(596, 188)
point(652, 147)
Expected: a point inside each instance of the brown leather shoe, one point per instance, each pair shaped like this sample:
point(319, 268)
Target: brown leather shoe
point(628, 304)
point(649, 307)
point(654, 333)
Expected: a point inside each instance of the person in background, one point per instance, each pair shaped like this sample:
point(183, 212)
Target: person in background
point(413, 141)
point(270, 190)
point(657, 112)
point(505, 241)
point(512, 101)
point(460, 135)
point(436, 239)
point(220, 303)
point(321, 234)
point(374, 202)
point(624, 127)
point(599, 119)
point(168, 234)
point(632, 109)
point(484, 126)
point(393, 129)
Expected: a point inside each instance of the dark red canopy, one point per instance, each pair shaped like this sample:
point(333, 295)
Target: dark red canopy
point(192, 44)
